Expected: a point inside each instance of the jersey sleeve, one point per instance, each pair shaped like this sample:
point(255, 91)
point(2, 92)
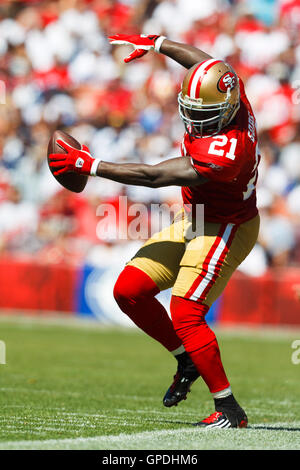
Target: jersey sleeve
point(218, 160)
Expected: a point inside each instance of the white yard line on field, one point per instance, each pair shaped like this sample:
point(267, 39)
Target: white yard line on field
point(277, 436)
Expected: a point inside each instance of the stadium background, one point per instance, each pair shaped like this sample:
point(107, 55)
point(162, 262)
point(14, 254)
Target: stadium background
point(57, 70)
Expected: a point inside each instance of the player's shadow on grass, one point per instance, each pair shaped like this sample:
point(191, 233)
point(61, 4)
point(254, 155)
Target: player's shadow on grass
point(256, 427)
point(273, 428)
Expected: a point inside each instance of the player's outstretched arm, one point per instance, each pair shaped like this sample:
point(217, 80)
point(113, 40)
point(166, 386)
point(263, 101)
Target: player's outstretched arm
point(173, 172)
point(184, 54)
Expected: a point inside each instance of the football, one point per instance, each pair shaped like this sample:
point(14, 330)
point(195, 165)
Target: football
point(71, 181)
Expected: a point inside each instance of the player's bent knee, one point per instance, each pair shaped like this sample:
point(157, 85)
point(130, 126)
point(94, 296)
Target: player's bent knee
point(124, 292)
point(133, 286)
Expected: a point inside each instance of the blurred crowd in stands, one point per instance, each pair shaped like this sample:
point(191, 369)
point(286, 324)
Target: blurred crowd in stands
point(58, 71)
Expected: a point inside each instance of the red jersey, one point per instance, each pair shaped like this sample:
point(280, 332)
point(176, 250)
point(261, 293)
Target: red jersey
point(229, 161)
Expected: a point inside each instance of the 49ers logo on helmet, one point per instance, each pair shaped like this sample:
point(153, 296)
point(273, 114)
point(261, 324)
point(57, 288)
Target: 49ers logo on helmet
point(227, 81)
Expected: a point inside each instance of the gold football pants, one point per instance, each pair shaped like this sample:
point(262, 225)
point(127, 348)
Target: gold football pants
point(196, 267)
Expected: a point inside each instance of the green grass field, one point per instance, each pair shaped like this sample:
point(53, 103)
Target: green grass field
point(82, 386)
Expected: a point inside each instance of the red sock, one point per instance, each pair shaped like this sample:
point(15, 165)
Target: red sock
point(135, 294)
point(199, 341)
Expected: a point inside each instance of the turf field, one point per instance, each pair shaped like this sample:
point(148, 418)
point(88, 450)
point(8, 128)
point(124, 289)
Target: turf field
point(82, 386)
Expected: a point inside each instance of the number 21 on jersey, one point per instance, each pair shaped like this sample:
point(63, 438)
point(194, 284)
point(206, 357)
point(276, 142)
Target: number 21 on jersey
point(220, 141)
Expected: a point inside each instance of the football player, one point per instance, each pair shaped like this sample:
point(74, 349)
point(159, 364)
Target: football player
point(218, 168)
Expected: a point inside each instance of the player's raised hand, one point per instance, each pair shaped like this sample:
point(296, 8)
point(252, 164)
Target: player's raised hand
point(141, 43)
point(75, 160)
